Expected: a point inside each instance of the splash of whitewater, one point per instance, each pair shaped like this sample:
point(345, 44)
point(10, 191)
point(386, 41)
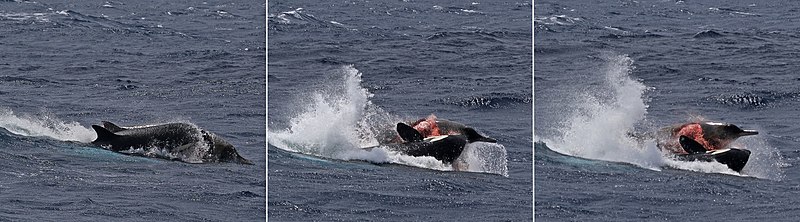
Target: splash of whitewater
point(44, 125)
point(340, 120)
point(598, 129)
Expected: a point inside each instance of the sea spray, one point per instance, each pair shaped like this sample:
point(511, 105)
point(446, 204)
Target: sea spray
point(599, 128)
point(333, 122)
point(765, 160)
point(485, 157)
point(44, 125)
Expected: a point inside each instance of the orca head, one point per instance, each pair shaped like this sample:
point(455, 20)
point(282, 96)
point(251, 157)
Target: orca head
point(737, 132)
point(474, 136)
point(724, 131)
point(224, 151)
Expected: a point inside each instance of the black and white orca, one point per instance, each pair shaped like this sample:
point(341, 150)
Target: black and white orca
point(447, 127)
point(445, 148)
point(181, 141)
point(705, 141)
point(734, 158)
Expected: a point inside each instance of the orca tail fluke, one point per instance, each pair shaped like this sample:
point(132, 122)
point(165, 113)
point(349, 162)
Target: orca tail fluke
point(735, 159)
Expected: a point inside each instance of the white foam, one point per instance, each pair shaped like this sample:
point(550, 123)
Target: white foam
point(44, 125)
point(700, 166)
point(22, 16)
point(193, 154)
point(557, 20)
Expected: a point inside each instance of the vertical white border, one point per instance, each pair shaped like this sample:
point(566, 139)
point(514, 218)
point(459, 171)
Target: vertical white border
point(533, 117)
point(266, 110)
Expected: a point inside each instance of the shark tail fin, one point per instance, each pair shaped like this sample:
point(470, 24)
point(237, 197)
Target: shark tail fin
point(112, 127)
point(691, 146)
point(103, 134)
point(408, 133)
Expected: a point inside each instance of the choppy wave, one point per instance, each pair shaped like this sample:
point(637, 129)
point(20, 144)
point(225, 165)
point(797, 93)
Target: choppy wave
point(24, 81)
point(557, 20)
point(731, 11)
point(298, 17)
point(753, 100)
point(23, 16)
point(455, 10)
point(707, 34)
point(478, 35)
point(744, 100)
point(340, 120)
point(492, 100)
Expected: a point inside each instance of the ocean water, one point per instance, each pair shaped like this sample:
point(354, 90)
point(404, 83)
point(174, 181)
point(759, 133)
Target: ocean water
point(68, 65)
point(603, 69)
point(340, 74)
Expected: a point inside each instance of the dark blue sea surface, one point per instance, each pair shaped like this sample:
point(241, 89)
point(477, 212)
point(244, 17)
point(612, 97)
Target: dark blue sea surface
point(66, 65)
point(341, 73)
point(603, 69)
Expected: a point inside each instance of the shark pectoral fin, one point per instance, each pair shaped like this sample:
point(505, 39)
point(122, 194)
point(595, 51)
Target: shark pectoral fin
point(408, 133)
point(112, 127)
point(691, 146)
point(103, 134)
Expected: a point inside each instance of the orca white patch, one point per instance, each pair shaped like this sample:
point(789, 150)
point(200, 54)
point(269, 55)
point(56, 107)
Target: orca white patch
point(715, 152)
point(435, 138)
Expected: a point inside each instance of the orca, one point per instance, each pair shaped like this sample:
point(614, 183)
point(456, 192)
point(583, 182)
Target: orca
point(182, 141)
point(710, 135)
point(445, 148)
point(433, 126)
point(734, 158)
point(705, 141)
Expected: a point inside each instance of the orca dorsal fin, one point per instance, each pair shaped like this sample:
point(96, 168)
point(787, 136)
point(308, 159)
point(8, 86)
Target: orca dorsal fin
point(112, 127)
point(408, 133)
point(103, 134)
point(691, 146)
